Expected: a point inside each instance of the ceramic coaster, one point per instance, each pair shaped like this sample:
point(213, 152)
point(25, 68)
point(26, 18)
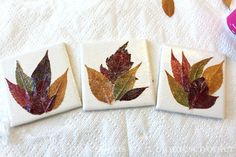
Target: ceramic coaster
point(39, 84)
point(191, 82)
point(116, 75)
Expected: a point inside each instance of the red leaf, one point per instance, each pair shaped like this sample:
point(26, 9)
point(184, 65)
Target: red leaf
point(185, 73)
point(181, 71)
point(20, 95)
point(133, 94)
point(43, 71)
point(176, 68)
point(198, 95)
point(117, 64)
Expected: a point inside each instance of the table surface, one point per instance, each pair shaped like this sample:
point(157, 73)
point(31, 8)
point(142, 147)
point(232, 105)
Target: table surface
point(200, 24)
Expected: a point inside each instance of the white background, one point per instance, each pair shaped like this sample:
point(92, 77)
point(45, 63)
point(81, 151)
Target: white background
point(27, 25)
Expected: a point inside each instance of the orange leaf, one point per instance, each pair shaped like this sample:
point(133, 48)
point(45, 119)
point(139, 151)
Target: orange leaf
point(58, 89)
point(100, 86)
point(214, 77)
point(227, 3)
point(168, 7)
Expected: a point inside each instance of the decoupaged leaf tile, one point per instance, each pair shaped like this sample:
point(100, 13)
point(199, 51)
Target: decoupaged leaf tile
point(39, 84)
point(191, 82)
point(116, 75)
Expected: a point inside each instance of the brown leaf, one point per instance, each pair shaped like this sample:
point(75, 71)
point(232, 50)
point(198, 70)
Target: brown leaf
point(117, 64)
point(214, 77)
point(198, 95)
point(227, 3)
point(58, 89)
point(100, 86)
point(20, 95)
point(133, 94)
point(168, 7)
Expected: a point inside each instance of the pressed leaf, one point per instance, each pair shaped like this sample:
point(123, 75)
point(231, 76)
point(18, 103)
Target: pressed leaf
point(227, 3)
point(185, 64)
point(58, 88)
point(43, 71)
point(125, 83)
point(168, 7)
point(23, 80)
point(177, 91)
point(176, 68)
point(40, 102)
point(197, 69)
point(198, 95)
point(181, 71)
point(185, 73)
point(100, 85)
point(214, 77)
point(20, 95)
point(117, 64)
point(133, 94)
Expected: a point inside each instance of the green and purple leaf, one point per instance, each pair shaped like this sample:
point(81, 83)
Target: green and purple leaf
point(133, 94)
point(24, 81)
point(197, 69)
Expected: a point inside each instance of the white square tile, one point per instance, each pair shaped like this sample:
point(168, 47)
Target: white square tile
point(59, 63)
point(197, 94)
point(95, 54)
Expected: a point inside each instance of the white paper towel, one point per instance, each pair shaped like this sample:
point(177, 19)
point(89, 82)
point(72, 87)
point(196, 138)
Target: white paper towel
point(27, 24)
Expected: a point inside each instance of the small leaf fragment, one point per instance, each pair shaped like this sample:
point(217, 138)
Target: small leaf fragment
point(133, 94)
point(227, 3)
point(100, 86)
point(125, 83)
point(43, 71)
point(197, 69)
point(177, 91)
point(23, 80)
point(168, 7)
point(198, 95)
point(20, 95)
point(58, 89)
point(214, 77)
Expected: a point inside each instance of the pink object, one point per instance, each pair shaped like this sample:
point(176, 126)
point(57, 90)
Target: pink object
point(231, 20)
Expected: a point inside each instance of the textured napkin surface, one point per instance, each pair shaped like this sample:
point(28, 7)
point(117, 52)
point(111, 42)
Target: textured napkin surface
point(200, 24)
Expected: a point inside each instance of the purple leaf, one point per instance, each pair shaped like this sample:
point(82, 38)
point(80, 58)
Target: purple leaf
point(43, 72)
point(133, 94)
point(198, 95)
point(40, 102)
